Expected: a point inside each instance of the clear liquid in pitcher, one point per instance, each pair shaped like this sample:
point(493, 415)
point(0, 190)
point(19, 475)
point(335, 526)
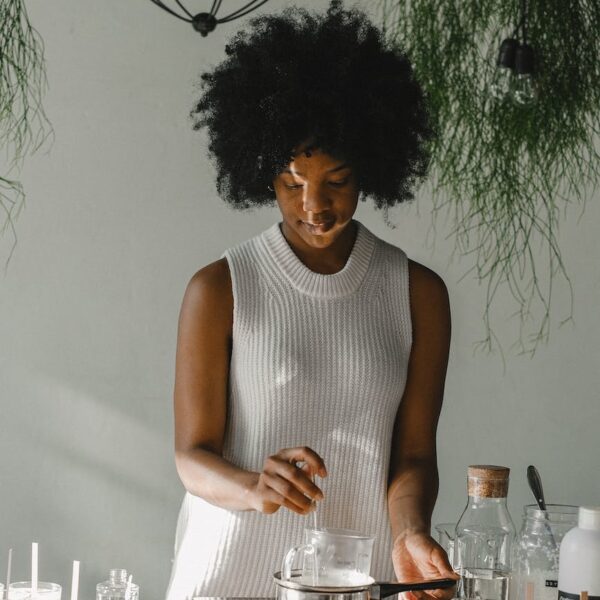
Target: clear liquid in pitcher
point(484, 584)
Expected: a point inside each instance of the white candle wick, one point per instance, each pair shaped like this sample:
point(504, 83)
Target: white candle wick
point(75, 580)
point(34, 568)
point(8, 570)
point(128, 588)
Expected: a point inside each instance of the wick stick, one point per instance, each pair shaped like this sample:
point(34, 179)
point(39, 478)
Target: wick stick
point(529, 589)
point(8, 569)
point(127, 589)
point(75, 580)
point(583, 596)
point(34, 568)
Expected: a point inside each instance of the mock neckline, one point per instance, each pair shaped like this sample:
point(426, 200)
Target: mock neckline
point(344, 282)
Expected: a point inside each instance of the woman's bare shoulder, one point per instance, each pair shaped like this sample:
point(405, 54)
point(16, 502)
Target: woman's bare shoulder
point(209, 293)
point(428, 294)
point(425, 282)
point(214, 278)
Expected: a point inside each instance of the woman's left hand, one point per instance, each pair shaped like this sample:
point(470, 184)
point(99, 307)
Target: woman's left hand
point(417, 556)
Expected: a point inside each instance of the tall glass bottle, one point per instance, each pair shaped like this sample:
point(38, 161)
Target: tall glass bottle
point(484, 535)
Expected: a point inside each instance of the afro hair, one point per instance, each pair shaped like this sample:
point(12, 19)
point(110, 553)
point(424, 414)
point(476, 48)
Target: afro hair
point(326, 78)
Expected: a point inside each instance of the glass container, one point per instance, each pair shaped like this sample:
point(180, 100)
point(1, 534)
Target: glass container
point(21, 590)
point(484, 536)
point(115, 588)
point(536, 551)
point(446, 532)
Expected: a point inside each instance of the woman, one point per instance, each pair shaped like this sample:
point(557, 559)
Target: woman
point(311, 359)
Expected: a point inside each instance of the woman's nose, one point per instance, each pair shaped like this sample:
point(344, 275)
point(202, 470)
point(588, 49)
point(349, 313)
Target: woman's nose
point(315, 200)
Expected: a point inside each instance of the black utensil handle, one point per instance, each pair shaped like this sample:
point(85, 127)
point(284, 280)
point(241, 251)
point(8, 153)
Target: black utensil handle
point(389, 589)
point(535, 483)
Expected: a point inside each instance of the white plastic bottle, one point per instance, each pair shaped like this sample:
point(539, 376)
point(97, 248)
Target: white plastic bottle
point(579, 564)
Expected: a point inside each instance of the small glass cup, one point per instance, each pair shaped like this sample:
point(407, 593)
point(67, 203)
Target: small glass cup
point(332, 557)
point(445, 533)
point(21, 590)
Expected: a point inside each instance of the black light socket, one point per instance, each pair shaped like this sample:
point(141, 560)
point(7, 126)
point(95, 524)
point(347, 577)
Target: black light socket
point(506, 56)
point(204, 23)
point(524, 60)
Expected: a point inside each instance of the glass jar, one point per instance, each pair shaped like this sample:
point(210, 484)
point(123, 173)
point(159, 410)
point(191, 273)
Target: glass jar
point(117, 587)
point(536, 551)
point(484, 536)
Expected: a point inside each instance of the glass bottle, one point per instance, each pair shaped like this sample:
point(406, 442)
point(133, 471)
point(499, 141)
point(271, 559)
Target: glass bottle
point(484, 536)
point(115, 588)
point(536, 551)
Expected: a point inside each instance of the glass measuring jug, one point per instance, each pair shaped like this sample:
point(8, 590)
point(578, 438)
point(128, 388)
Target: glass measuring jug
point(332, 557)
point(446, 533)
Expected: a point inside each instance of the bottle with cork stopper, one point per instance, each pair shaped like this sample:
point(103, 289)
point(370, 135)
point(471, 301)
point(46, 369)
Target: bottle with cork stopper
point(484, 535)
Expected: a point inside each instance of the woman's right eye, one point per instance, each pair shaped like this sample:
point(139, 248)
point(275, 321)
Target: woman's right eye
point(292, 186)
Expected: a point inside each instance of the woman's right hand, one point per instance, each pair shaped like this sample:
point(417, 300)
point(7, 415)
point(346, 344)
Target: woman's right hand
point(283, 483)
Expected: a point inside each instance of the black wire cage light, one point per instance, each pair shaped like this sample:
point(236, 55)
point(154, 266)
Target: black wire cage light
point(205, 22)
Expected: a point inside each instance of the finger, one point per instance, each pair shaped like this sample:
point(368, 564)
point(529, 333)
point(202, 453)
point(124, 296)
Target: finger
point(439, 558)
point(270, 495)
point(306, 454)
point(300, 478)
point(287, 489)
point(275, 465)
point(442, 594)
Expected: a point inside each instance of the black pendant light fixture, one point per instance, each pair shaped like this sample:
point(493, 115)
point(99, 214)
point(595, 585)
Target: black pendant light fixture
point(205, 22)
point(514, 75)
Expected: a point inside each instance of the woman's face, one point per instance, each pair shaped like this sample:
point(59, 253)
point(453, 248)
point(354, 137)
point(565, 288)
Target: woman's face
point(317, 195)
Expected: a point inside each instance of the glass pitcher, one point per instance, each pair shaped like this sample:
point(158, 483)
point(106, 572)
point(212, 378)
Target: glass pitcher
point(536, 551)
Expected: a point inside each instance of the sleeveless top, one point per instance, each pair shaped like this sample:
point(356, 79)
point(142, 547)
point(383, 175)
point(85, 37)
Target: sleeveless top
point(320, 361)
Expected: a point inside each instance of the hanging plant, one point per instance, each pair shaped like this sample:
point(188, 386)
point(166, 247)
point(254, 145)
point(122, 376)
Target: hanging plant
point(515, 98)
point(23, 124)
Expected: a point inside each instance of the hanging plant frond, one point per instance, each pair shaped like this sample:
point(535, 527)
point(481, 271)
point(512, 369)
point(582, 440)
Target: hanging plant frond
point(504, 169)
point(23, 124)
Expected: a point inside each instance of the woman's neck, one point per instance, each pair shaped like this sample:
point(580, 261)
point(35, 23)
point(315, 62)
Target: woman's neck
point(326, 261)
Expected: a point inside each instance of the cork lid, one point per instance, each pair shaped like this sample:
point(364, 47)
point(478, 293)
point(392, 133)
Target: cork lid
point(489, 471)
point(488, 481)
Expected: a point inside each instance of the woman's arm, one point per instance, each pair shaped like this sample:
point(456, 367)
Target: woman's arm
point(413, 477)
point(201, 379)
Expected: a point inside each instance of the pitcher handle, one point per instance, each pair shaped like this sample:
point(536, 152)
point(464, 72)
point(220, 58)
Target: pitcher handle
point(288, 562)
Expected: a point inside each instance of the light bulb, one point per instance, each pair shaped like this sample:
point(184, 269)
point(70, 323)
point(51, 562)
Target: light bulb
point(502, 83)
point(523, 90)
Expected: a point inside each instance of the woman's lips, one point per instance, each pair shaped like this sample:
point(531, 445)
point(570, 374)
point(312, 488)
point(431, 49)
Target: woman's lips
point(318, 227)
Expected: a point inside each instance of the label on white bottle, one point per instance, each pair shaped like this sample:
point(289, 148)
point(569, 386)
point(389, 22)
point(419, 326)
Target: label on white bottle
point(566, 596)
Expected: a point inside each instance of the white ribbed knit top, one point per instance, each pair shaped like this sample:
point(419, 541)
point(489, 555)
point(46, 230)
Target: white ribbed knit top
point(320, 361)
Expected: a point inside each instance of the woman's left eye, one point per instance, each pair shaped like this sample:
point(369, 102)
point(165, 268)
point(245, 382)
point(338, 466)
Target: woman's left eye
point(291, 186)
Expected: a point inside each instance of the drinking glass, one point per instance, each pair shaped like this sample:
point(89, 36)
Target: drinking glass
point(21, 590)
point(332, 557)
